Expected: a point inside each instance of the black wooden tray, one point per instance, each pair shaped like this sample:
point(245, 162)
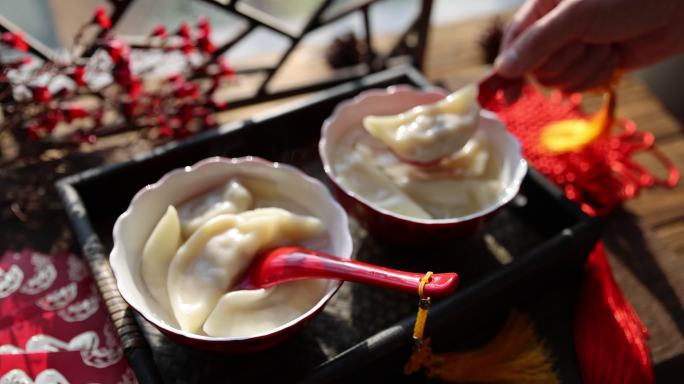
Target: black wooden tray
point(532, 251)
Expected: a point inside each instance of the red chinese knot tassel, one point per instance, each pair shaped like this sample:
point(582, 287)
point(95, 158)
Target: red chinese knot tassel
point(600, 175)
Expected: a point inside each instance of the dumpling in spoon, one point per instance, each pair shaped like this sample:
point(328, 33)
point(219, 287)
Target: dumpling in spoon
point(215, 256)
point(429, 132)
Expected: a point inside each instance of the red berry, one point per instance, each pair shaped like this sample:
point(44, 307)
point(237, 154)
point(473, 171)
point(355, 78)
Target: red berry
point(75, 112)
point(41, 94)
point(184, 30)
point(185, 114)
point(101, 18)
point(205, 45)
point(165, 131)
point(187, 46)
point(204, 26)
point(193, 91)
point(134, 88)
point(15, 40)
point(51, 119)
point(122, 74)
point(182, 90)
point(118, 51)
point(78, 75)
point(34, 131)
point(159, 31)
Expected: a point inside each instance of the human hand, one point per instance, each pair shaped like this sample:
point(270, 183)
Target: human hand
point(575, 45)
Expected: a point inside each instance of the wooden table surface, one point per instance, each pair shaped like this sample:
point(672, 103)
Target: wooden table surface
point(645, 238)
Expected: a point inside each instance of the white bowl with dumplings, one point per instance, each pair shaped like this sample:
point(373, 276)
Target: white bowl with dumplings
point(299, 194)
point(367, 183)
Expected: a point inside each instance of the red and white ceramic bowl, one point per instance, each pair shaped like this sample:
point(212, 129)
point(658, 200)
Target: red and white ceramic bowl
point(135, 225)
point(400, 229)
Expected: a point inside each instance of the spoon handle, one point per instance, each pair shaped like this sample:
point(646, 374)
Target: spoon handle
point(296, 263)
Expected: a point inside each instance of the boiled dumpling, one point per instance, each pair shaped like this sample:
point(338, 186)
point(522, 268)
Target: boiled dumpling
point(215, 256)
point(429, 132)
point(471, 161)
point(359, 173)
point(274, 227)
point(261, 188)
point(231, 198)
point(249, 313)
point(446, 198)
point(159, 249)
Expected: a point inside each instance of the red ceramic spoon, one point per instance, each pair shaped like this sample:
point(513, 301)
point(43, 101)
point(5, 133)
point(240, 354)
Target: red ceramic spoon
point(284, 264)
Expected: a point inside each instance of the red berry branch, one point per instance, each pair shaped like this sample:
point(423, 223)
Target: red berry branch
point(51, 110)
point(37, 100)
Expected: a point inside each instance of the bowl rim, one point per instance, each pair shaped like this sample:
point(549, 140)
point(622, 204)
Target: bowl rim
point(509, 191)
point(347, 245)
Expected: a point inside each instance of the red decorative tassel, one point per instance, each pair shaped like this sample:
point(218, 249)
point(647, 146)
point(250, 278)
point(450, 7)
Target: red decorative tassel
point(599, 176)
point(610, 339)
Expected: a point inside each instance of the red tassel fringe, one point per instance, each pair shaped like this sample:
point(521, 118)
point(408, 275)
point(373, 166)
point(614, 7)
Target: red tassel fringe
point(610, 339)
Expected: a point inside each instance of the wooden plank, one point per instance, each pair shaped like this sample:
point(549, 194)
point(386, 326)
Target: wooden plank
point(646, 270)
point(672, 235)
point(657, 206)
point(636, 102)
point(454, 46)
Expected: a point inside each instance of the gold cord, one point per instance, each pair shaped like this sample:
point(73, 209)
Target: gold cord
point(422, 351)
point(424, 280)
point(423, 306)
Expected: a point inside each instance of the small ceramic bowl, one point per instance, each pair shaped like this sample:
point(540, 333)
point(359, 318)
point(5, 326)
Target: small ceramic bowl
point(135, 225)
point(404, 230)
